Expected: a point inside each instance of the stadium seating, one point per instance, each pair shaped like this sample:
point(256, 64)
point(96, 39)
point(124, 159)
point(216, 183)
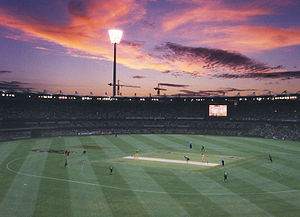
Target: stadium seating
point(33, 115)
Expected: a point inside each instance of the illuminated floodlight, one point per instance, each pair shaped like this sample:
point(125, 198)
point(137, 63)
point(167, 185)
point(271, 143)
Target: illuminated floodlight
point(115, 35)
point(115, 38)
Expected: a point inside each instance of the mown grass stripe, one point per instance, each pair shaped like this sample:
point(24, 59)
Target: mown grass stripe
point(134, 143)
point(7, 177)
point(212, 146)
point(288, 173)
point(269, 172)
point(230, 202)
point(284, 144)
point(54, 196)
point(120, 145)
point(89, 198)
point(193, 204)
point(156, 204)
point(152, 202)
point(243, 147)
point(220, 143)
point(260, 151)
point(287, 161)
point(264, 200)
point(122, 203)
point(254, 146)
point(6, 149)
point(274, 147)
point(263, 184)
point(156, 142)
point(137, 144)
point(21, 197)
point(288, 157)
point(168, 143)
point(155, 145)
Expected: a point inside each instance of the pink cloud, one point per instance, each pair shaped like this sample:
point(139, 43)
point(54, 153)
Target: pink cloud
point(138, 76)
point(252, 38)
point(209, 12)
point(41, 48)
point(87, 29)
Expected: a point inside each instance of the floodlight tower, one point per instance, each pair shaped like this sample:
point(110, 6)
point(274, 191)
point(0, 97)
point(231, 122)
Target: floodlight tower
point(115, 38)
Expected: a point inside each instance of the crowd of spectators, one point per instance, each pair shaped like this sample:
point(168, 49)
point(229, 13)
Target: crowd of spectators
point(267, 111)
point(33, 118)
point(51, 110)
point(277, 131)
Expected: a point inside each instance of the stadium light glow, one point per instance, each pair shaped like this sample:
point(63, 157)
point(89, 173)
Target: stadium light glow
point(115, 38)
point(115, 35)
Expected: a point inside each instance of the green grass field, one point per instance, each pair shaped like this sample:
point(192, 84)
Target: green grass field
point(37, 184)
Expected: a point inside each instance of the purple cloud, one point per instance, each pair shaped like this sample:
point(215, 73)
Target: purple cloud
point(138, 76)
point(133, 43)
point(172, 85)
point(14, 86)
point(5, 71)
point(212, 58)
point(213, 92)
point(259, 76)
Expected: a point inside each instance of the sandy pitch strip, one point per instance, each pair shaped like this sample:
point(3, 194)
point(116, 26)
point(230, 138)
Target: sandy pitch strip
point(172, 161)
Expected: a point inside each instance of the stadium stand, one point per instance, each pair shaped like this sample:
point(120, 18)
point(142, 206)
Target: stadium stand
point(27, 115)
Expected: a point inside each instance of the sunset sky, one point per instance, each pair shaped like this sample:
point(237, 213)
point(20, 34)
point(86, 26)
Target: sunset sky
point(193, 47)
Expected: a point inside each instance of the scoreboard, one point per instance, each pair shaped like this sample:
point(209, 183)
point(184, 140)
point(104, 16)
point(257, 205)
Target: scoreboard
point(217, 111)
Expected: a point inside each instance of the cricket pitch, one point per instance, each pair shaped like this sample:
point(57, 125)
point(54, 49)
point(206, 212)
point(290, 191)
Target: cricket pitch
point(172, 161)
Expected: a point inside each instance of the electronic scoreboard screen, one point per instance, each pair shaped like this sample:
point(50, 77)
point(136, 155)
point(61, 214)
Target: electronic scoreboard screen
point(217, 110)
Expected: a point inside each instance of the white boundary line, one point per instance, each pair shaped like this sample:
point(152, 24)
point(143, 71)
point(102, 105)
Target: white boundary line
point(172, 161)
point(142, 191)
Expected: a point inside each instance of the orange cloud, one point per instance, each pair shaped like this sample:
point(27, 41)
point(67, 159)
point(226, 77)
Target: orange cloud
point(101, 15)
point(209, 13)
point(87, 29)
point(65, 35)
point(252, 38)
